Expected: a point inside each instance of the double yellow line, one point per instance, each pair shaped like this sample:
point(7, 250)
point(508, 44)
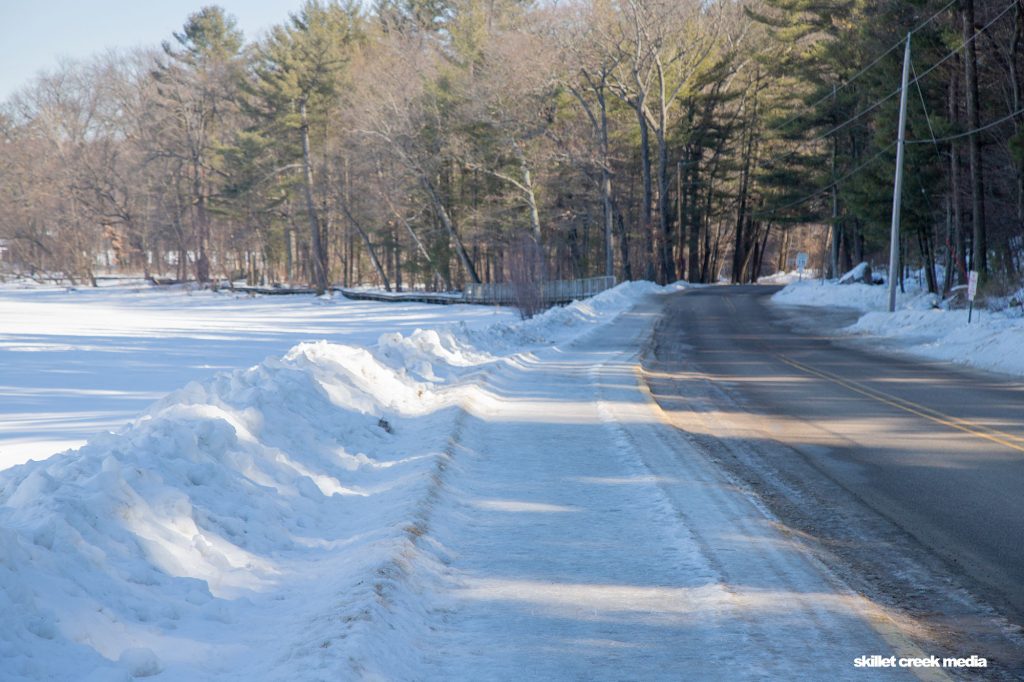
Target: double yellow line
point(1005, 439)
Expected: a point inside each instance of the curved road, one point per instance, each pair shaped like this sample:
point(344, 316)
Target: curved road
point(908, 473)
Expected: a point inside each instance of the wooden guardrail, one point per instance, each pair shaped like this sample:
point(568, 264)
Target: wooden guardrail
point(550, 293)
point(439, 297)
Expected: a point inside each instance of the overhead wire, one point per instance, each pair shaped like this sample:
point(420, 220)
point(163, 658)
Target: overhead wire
point(927, 118)
point(958, 136)
point(918, 77)
point(915, 81)
point(827, 187)
point(867, 68)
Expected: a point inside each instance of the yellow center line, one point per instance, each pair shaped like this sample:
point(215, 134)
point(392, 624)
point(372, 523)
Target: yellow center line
point(1004, 439)
point(877, 618)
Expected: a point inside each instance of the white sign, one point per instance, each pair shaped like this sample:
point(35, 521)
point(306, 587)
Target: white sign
point(972, 285)
point(801, 261)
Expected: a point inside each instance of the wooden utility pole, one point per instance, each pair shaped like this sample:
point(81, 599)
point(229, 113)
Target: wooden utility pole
point(897, 189)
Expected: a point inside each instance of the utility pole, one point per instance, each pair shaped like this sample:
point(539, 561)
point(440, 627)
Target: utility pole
point(679, 215)
point(897, 189)
point(834, 232)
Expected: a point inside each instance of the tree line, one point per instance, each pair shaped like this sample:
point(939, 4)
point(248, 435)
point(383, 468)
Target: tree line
point(432, 143)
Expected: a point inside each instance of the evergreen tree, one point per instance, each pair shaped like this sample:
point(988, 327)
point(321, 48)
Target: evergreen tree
point(298, 75)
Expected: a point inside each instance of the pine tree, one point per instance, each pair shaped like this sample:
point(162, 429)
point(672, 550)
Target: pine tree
point(197, 86)
point(298, 75)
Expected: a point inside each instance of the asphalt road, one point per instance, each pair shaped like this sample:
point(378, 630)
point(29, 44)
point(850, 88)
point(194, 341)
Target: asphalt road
point(908, 474)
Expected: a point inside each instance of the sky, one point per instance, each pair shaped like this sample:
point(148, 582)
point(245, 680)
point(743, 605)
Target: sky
point(35, 34)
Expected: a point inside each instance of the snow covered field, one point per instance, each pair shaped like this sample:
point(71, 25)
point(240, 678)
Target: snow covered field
point(993, 341)
point(76, 363)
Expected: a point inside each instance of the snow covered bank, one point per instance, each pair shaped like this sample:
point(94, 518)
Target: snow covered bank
point(74, 363)
point(994, 340)
point(248, 526)
point(153, 547)
point(788, 277)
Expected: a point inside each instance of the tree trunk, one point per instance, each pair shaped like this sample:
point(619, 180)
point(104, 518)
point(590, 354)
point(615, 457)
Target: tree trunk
point(833, 260)
point(319, 262)
point(709, 264)
point(959, 245)
point(680, 236)
point(783, 252)
point(531, 201)
point(759, 262)
point(397, 254)
point(646, 213)
point(369, 248)
point(202, 223)
point(664, 212)
point(739, 254)
point(419, 244)
point(446, 222)
point(693, 274)
point(627, 268)
point(979, 246)
point(1015, 82)
point(606, 191)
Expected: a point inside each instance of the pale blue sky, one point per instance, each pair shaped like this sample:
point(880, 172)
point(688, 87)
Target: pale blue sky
point(35, 33)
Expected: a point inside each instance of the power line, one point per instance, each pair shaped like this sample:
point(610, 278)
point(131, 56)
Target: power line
point(969, 40)
point(927, 71)
point(895, 92)
point(1004, 119)
point(875, 105)
point(864, 70)
point(927, 118)
point(827, 187)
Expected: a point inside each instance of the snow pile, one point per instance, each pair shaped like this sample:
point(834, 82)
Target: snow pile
point(788, 277)
point(562, 324)
point(210, 506)
point(855, 275)
point(861, 296)
point(993, 341)
point(247, 526)
point(80, 362)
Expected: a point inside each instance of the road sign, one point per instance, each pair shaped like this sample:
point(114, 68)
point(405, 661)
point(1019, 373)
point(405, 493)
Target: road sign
point(972, 291)
point(801, 263)
point(972, 285)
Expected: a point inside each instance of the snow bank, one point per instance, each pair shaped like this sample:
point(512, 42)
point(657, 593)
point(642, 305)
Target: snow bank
point(117, 555)
point(246, 527)
point(562, 324)
point(861, 296)
point(80, 362)
point(788, 277)
point(993, 341)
